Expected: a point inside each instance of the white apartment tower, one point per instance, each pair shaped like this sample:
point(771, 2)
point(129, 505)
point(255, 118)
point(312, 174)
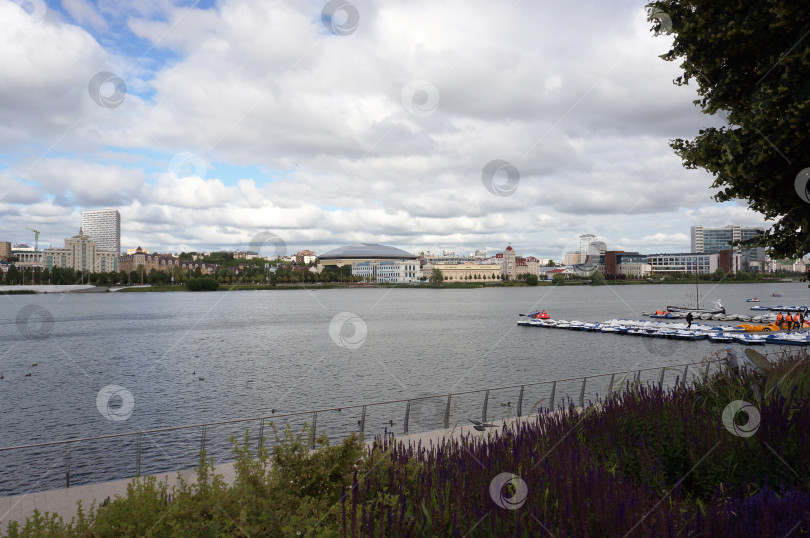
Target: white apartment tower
point(104, 227)
point(584, 247)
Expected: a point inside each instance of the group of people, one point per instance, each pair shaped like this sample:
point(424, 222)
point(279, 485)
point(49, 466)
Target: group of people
point(787, 321)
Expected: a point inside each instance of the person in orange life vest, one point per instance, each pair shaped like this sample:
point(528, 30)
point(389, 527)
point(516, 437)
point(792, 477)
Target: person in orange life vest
point(789, 322)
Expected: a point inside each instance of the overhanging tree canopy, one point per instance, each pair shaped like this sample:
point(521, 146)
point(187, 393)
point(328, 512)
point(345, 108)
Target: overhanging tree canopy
point(751, 62)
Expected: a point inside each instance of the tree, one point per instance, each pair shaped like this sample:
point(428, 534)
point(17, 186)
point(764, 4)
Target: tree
point(13, 276)
point(202, 284)
point(531, 280)
point(597, 279)
point(550, 263)
point(436, 276)
point(559, 278)
point(751, 62)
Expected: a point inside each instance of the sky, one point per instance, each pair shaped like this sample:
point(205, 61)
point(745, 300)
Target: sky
point(278, 126)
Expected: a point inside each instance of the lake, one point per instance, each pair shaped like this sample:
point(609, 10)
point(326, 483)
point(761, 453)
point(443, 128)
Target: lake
point(294, 350)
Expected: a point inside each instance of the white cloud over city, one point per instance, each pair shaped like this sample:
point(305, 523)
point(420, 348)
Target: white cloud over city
point(243, 117)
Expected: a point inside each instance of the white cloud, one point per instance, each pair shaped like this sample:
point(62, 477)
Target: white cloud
point(573, 97)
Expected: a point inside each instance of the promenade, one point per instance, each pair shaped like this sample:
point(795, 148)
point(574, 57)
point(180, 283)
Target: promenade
point(63, 501)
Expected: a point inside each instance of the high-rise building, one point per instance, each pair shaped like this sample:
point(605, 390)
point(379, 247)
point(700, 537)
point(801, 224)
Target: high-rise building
point(717, 239)
point(104, 227)
point(585, 247)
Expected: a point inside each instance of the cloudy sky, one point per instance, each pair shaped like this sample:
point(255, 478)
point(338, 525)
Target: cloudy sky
point(456, 125)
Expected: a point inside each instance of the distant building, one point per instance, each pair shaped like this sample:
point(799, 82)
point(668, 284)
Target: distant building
point(717, 239)
point(361, 252)
point(584, 247)
point(509, 263)
point(394, 272)
point(571, 257)
point(28, 259)
point(245, 255)
point(81, 253)
point(137, 249)
point(161, 262)
point(5, 249)
point(466, 272)
point(630, 264)
point(104, 227)
point(695, 262)
point(305, 256)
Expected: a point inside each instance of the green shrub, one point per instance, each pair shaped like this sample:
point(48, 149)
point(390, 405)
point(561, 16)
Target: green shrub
point(202, 284)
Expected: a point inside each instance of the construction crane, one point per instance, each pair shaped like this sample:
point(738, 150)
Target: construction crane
point(36, 238)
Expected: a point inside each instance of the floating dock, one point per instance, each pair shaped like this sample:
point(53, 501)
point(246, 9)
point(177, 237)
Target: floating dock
point(677, 331)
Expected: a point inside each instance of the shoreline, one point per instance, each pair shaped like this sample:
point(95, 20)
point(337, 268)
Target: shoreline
point(28, 289)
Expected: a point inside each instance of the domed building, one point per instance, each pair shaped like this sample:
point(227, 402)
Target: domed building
point(361, 253)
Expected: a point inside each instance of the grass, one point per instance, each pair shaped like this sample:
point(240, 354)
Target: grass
point(647, 461)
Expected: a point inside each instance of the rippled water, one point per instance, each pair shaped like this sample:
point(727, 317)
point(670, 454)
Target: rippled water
point(260, 351)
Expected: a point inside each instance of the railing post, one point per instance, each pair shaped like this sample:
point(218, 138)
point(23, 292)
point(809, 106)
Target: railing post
point(551, 400)
point(138, 454)
point(407, 416)
point(312, 432)
point(202, 440)
point(685, 371)
point(582, 393)
point(484, 410)
point(363, 421)
point(261, 437)
point(67, 465)
point(447, 412)
point(520, 401)
point(661, 377)
point(610, 387)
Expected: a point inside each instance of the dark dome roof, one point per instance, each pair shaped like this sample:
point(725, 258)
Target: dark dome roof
point(367, 251)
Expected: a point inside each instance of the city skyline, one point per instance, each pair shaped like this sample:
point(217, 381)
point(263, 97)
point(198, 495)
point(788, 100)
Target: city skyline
point(408, 130)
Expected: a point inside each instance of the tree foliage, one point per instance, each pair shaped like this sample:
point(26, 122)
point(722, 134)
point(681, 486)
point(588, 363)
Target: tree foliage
point(750, 60)
point(202, 284)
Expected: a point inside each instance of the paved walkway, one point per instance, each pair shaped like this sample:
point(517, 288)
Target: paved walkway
point(63, 501)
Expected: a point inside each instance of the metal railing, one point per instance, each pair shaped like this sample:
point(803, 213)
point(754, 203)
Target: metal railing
point(557, 394)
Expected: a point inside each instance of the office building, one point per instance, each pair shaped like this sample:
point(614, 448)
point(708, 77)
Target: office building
point(696, 262)
point(104, 227)
point(717, 239)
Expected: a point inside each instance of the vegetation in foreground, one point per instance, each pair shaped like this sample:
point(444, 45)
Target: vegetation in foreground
point(646, 462)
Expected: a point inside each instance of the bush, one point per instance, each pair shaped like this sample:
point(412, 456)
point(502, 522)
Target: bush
point(202, 284)
point(647, 461)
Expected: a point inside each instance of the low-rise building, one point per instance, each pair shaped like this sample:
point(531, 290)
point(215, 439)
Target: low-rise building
point(305, 256)
point(394, 272)
point(465, 272)
point(161, 262)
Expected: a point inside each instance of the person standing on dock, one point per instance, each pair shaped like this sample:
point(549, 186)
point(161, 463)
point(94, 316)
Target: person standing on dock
point(789, 322)
point(779, 317)
point(799, 321)
point(732, 360)
point(689, 319)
